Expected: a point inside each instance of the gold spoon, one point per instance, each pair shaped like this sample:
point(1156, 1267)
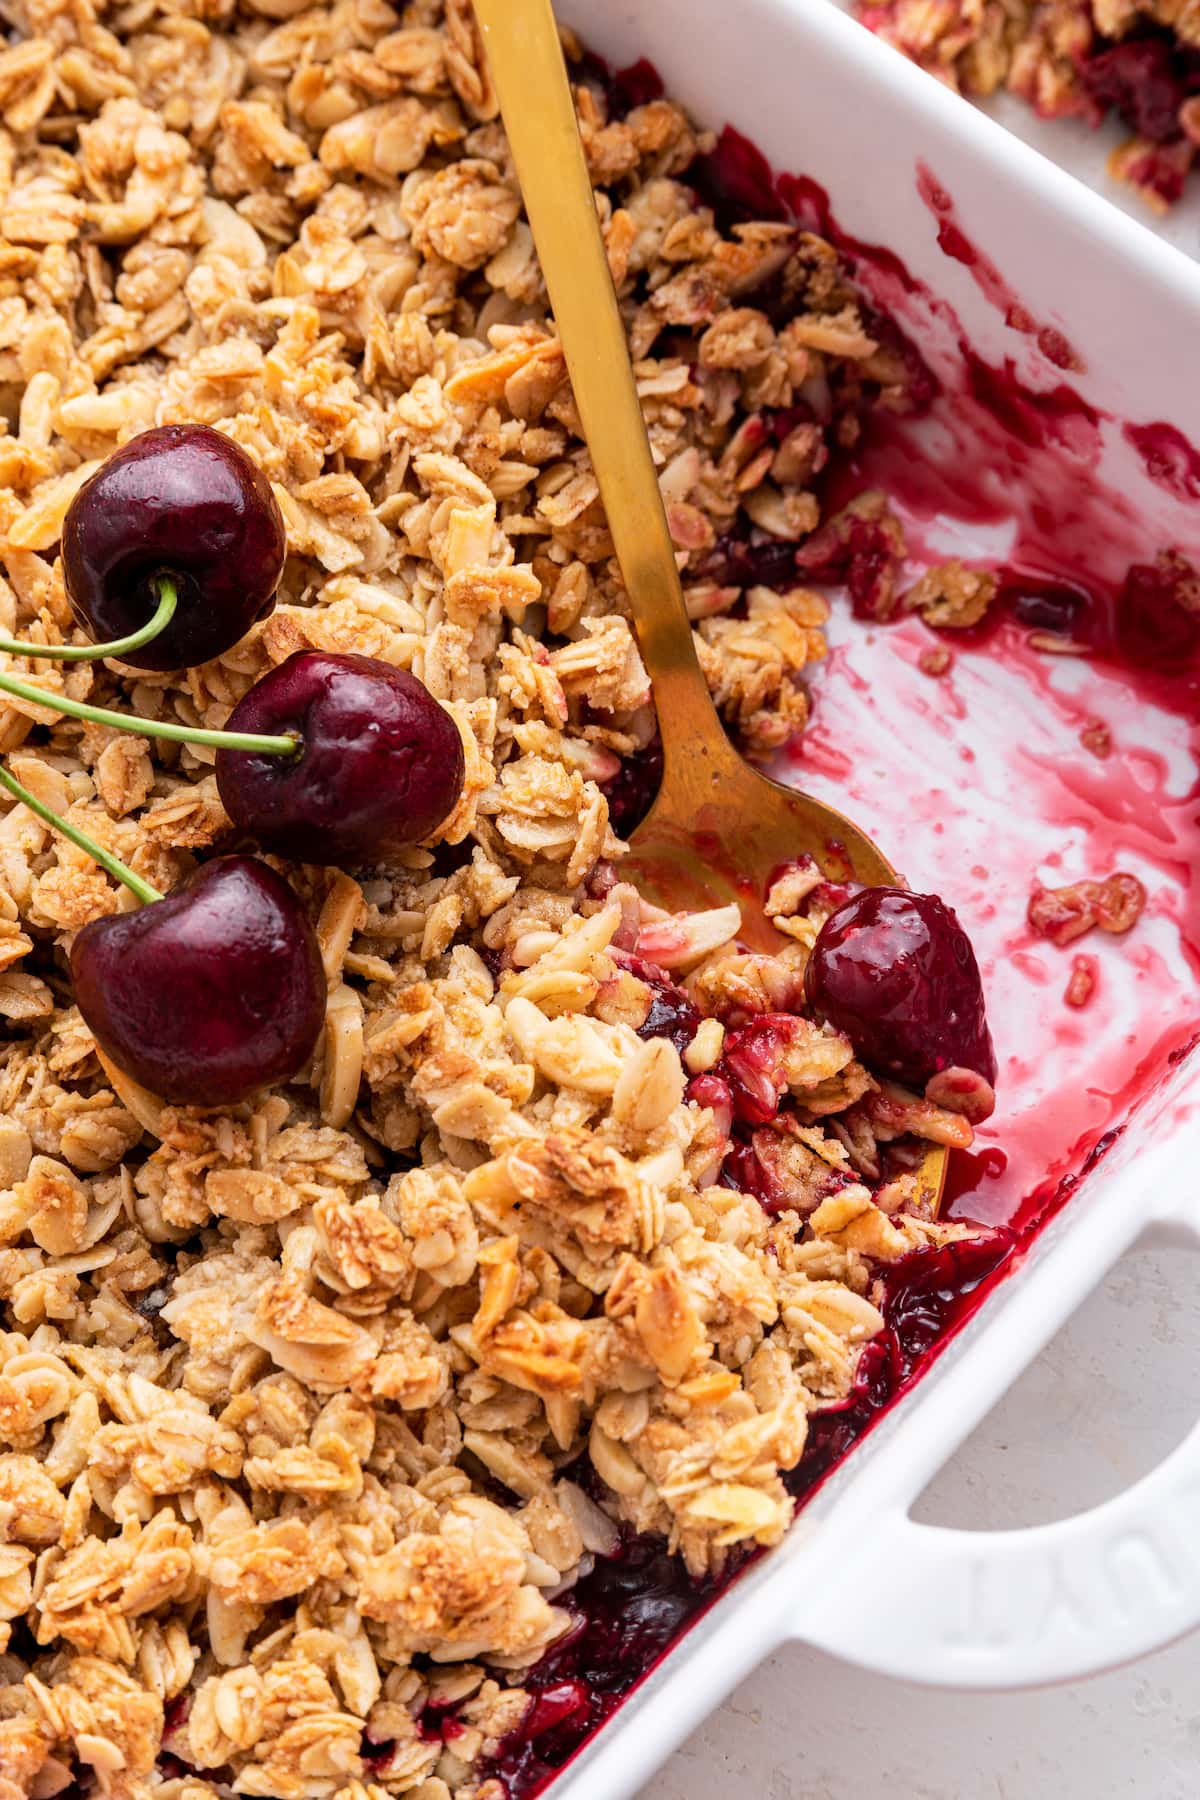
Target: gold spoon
point(718, 828)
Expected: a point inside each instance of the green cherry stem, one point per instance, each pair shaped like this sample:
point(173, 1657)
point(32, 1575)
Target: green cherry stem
point(155, 728)
point(119, 647)
point(113, 864)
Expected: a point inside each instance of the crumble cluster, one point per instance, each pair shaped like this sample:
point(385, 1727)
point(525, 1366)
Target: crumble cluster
point(1063, 914)
point(1071, 58)
point(312, 1412)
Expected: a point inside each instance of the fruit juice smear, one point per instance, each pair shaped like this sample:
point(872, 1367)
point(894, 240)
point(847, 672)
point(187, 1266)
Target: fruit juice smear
point(1088, 645)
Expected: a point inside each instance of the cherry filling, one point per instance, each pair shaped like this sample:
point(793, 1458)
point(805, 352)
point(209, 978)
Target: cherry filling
point(926, 1296)
point(1152, 621)
point(632, 1606)
point(735, 179)
point(739, 562)
point(671, 1014)
point(894, 971)
point(745, 1088)
point(1046, 605)
point(629, 1610)
point(631, 791)
point(754, 1066)
point(1145, 79)
point(623, 89)
point(1158, 614)
point(861, 551)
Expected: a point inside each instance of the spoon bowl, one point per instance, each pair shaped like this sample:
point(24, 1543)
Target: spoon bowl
point(718, 829)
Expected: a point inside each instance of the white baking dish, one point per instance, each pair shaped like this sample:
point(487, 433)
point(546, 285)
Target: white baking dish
point(856, 1575)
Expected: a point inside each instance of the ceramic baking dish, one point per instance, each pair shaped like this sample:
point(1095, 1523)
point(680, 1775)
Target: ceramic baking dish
point(856, 1576)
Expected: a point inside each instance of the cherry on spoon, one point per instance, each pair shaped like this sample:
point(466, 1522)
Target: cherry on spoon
point(718, 829)
point(896, 972)
point(379, 765)
point(183, 501)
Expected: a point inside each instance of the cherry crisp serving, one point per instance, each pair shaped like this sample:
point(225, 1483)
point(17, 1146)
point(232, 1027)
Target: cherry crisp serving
point(319, 1414)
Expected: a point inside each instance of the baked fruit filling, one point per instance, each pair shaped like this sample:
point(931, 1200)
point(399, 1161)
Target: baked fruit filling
point(1133, 60)
point(427, 1270)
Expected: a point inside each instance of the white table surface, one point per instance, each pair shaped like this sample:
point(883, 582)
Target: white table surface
point(1114, 1392)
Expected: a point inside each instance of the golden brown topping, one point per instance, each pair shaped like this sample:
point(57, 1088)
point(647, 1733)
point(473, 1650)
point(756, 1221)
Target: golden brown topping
point(286, 1391)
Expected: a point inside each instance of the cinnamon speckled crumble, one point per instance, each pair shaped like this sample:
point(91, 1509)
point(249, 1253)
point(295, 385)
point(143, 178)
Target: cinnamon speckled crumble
point(313, 1411)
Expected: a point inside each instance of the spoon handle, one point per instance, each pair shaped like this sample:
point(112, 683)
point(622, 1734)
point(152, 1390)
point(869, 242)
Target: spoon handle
point(526, 62)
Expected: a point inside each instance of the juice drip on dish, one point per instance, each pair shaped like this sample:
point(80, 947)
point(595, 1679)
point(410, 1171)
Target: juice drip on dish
point(1079, 816)
point(953, 240)
point(1167, 458)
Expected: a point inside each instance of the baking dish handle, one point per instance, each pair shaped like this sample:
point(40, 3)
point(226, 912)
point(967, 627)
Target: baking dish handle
point(1008, 1609)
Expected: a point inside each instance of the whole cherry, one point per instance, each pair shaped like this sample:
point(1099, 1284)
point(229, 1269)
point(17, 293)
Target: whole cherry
point(380, 764)
point(210, 993)
point(896, 972)
point(181, 501)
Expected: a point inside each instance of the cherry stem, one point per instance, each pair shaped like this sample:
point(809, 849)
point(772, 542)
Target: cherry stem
point(154, 728)
point(113, 864)
point(119, 647)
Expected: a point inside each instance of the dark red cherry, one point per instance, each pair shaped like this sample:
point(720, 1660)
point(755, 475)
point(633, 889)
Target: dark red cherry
point(1158, 614)
point(671, 1014)
point(209, 994)
point(380, 765)
point(896, 972)
point(1143, 81)
point(1049, 606)
point(183, 501)
point(631, 791)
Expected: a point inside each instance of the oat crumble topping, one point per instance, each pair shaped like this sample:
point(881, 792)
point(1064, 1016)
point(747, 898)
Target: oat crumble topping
point(294, 1399)
point(1063, 914)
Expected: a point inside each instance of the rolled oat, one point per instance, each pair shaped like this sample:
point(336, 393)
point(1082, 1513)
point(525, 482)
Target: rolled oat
point(294, 1398)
